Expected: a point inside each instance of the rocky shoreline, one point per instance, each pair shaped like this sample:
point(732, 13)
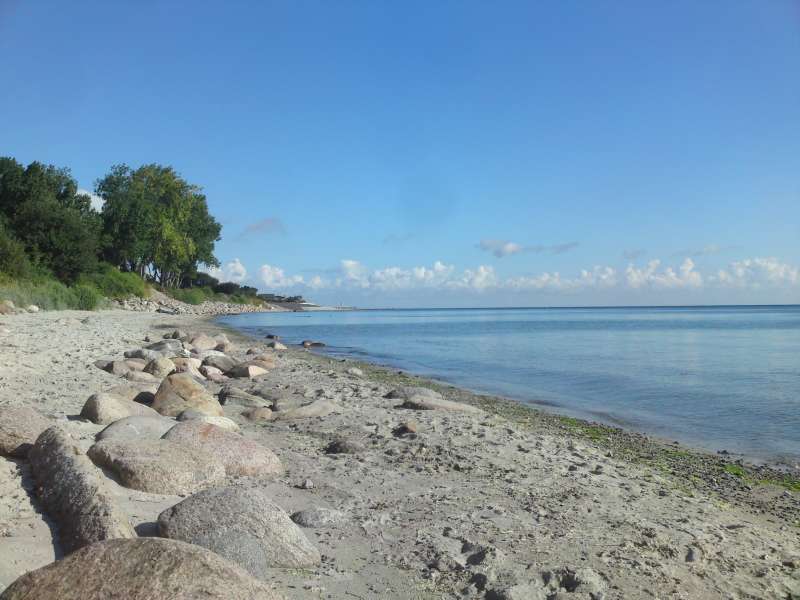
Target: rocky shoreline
point(281, 473)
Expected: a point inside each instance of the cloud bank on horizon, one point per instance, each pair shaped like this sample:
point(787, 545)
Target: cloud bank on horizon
point(754, 274)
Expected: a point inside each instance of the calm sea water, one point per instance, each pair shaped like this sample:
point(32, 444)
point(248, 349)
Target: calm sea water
point(714, 377)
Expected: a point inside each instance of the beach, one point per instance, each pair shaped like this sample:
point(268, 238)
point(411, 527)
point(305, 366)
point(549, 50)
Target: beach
point(467, 496)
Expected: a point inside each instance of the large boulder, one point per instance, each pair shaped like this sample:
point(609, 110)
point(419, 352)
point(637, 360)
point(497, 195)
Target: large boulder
point(223, 363)
point(239, 455)
point(233, 396)
point(212, 374)
point(276, 345)
point(318, 408)
point(180, 392)
point(188, 365)
point(223, 422)
point(136, 364)
point(203, 342)
point(160, 367)
point(104, 408)
point(248, 370)
point(140, 569)
point(19, 428)
point(136, 428)
point(143, 354)
point(158, 466)
point(138, 392)
point(243, 525)
point(140, 377)
point(74, 493)
point(258, 415)
point(166, 346)
point(116, 367)
point(421, 398)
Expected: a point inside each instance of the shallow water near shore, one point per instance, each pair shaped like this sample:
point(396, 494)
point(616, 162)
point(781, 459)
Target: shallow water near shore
point(713, 377)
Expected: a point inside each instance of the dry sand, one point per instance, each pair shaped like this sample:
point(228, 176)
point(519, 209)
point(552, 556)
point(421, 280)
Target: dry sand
point(510, 504)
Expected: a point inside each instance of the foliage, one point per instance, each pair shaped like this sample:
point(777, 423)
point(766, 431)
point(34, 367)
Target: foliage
point(13, 260)
point(156, 224)
point(113, 283)
point(87, 297)
point(189, 295)
point(55, 225)
point(47, 294)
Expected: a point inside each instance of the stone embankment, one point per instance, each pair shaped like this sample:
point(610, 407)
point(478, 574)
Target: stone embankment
point(159, 302)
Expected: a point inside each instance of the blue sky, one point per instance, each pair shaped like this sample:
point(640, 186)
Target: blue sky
point(445, 153)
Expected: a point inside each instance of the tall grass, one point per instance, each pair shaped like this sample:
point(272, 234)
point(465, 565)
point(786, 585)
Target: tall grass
point(115, 284)
point(49, 295)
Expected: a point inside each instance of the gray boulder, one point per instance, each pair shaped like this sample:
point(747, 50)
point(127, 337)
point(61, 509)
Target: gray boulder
point(140, 569)
point(180, 392)
point(223, 363)
point(319, 517)
point(158, 466)
point(243, 525)
point(421, 398)
point(73, 492)
point(116, 367)
point(239, 455)
point(166, 346)
point(104, 408)
point(136, 428)
point(160, 367)
point(233, 396)
point(19, 428)
point(203, 342)
point(246, 370)
point(318, 408)
point(143, 354)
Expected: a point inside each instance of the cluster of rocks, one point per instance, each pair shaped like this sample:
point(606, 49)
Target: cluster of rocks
point(158, 302)
point(165, 433)
point(7, 307)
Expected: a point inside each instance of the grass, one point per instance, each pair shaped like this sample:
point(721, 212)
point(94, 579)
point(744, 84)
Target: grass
point(113, 283)
point(198, 295)
point(787, 481)
point(49, 295)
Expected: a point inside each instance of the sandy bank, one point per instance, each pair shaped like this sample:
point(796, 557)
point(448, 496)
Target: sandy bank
point(509, 503)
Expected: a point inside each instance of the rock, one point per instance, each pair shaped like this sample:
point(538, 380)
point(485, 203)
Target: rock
point(223, 363)
point(74, 494)
point(102, 363)
point(117, 367)
point(420, 398)
point(7, 307)
point(272, 336)
point(190, 366)
point(319, 518)
point(138, 392)
point(135, 364)
point(160, 367)
point(140, 569)
point(19, 428)
point(312, 344)
point(410, 391)
point(223, 422)
point(318, 408)
point(140, 377)
point(179, 392)
point(143, 354)
point(355, 372)
point(243, 525)
point(158, 466)
point(307, 484)
point(230, 396)
point(276, 345)
point(136, 428)
point(224, 347)
point(104, 408)
point(246, 370)
point(239, 455)
point(409, 427)
point(166, 346)
point(254, 351)
point(344, 447)
point(32, 308)
point(203, 342)
point(179, 334)
point(212, 373)
point(258, 414)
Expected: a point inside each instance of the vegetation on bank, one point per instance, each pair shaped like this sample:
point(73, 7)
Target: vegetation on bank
point(154, 229)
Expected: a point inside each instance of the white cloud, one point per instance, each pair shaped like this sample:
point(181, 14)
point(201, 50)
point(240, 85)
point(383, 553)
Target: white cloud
point(274, 277)
point(599, 277)
point(651, 276)
point(96, 201)
point(233, 271)
point(501, 248)
point(757, 273)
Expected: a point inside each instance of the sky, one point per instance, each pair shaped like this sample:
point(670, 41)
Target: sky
point(444, 153)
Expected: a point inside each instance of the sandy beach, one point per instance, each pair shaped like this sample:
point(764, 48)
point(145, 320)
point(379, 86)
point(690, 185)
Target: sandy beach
point(462, 496)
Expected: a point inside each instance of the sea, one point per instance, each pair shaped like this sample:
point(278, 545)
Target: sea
point(717, 378)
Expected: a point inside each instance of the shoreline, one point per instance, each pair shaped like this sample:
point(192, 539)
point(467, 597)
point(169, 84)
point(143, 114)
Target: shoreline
point(509, 502)
point(778, 466)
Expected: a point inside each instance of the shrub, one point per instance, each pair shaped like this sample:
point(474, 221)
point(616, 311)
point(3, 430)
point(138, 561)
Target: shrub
point(13, 260)
point(188, 295)
point(113, 283)
point(86, 297)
